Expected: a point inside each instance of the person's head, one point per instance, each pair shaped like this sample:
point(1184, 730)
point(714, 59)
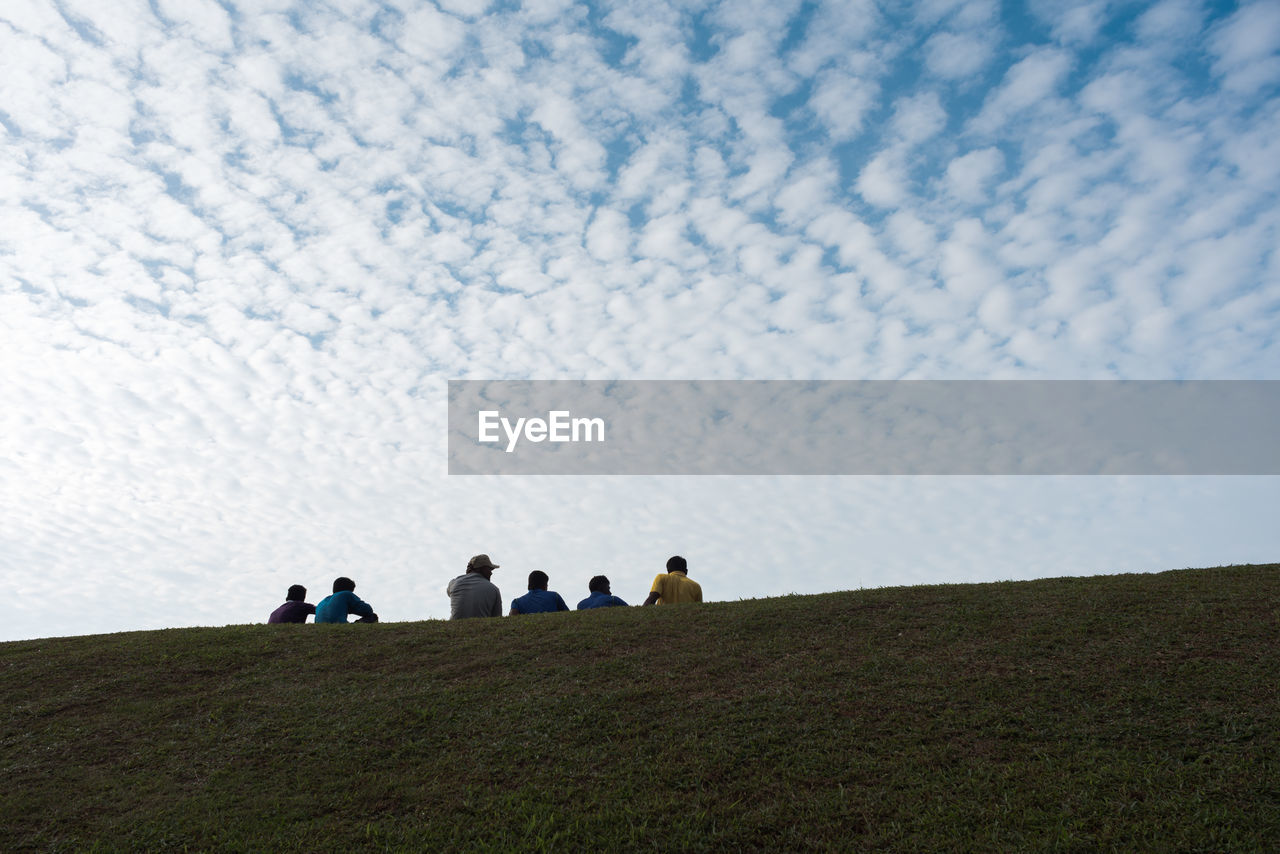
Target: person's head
point(343, 583)
point(538, 580)
point(297, 593)
point(677, 564)
point(598, 584)
point(482, 565)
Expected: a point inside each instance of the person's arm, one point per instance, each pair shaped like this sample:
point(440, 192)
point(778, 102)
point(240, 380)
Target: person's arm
point(356, 605)
point(655, 589)
point(495, 607)
point(560, 605)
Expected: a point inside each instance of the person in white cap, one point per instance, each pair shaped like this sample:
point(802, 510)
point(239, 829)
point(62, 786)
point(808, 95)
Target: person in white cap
point(473, 594)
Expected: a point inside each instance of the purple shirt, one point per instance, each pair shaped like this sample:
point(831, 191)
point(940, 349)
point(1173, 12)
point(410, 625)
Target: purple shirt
point(292, 611)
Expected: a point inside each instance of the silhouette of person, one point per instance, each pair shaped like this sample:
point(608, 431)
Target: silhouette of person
point(674, 587)
point(473, 594)
point(295, 609)
point(336, 607)
point(539, 598)
point(600, 596)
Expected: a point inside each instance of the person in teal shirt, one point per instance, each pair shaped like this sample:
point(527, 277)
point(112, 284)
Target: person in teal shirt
point(343, 602)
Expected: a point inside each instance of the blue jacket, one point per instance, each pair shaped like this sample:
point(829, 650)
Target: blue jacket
point(336, 607)
point(538, 601)
point(600, 600)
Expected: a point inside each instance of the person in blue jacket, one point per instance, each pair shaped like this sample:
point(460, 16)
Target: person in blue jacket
point(600, 596)
point(539, 599)
point(343, 602)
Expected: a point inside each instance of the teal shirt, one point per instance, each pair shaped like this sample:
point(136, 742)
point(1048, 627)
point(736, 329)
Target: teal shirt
point(335, 608)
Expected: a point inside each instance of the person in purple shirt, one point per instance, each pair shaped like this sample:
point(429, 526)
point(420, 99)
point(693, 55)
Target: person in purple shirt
point(294, 609)
point(539, 598)
point(336, 607)
point(600, 596)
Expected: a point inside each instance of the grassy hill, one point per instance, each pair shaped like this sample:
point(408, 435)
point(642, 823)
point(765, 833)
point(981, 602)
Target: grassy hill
point(1133, 712)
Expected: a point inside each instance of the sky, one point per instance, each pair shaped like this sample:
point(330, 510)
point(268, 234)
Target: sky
point(245, 245)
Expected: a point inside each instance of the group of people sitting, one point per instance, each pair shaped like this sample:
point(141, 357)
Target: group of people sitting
point(474, 594)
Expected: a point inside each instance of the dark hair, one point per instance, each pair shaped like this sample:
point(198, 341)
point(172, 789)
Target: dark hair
point(598, 584)
point(297, 593)
point(343, 583)
point(538, 580)
point(677, 564)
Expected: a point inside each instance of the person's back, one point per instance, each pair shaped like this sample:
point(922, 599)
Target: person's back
point(295, 609)
point(674, 586)
point(539, 599)
point(473, 594)
point(600, 596)
point(343, 602)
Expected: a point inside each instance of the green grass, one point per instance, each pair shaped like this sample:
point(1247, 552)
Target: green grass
point(1126, 713)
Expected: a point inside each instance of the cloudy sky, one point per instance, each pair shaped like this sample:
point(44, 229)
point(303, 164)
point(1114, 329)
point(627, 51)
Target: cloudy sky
point(244, 245)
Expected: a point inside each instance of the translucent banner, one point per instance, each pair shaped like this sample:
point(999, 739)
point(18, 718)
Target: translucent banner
point(749, 427)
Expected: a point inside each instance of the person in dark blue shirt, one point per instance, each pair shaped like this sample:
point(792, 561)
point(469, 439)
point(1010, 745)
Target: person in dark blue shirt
point(539, 598)
point(343, 602)
point(600, 596)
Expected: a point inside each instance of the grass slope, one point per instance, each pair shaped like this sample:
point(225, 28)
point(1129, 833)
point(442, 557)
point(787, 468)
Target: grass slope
point(1133, 712)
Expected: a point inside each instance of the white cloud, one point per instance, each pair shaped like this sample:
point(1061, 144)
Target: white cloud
point(28, 71)
point(764, 174)
point(967, 266)
point(1073, 21)
point(911, 235)
point(1254, 151)
point(466, 8)
point(956, 56)
point(1247, 47)
point(838, 34)
point(842, 102)
point(805, 195)
point(608, 236)
point(918, 118)
point(31, 16)
point(1170, 20)
point(969, 176)
point(1026, 84)
point(656, 158)
point(580, 158)
point(967, 13)
point(202, 20)
point(883, 181)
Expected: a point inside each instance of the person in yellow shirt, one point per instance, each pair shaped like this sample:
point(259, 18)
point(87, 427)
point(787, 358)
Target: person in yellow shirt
point(674, 586)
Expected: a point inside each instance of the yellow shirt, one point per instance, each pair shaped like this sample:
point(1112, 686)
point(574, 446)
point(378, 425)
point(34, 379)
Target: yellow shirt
point(675, 587)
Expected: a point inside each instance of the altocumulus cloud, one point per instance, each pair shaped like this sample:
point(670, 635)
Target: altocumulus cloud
point(243, 245)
